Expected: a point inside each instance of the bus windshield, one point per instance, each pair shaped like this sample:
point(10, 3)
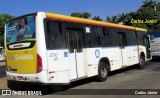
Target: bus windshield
point(20, 29)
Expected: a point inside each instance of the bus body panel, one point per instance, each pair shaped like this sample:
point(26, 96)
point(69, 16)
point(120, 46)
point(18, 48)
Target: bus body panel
point(41, 49)
point(58, 66)
point(29, 73)
point(142, 49)
point(132, 55)
point(21, 48)
point(40, 38)
point(22, 61)
point(93, 56)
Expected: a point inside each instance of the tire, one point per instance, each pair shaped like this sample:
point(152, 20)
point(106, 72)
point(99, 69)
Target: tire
point(103, 71)
point(141, 62)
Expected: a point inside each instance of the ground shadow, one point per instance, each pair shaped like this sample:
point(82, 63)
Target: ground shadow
point(46, 89)
point(2, 72)
point(155, 59)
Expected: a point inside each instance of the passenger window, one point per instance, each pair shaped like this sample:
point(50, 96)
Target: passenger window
point(54, 36)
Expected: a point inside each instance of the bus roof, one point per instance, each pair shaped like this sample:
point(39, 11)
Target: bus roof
point(93, 22)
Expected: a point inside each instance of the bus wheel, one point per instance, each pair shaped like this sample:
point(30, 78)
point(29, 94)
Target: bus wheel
point(103, 71)
point(141, 62)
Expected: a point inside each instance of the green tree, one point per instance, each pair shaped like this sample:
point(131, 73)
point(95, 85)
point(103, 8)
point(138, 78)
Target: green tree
point(112, 19)
point(3, 19)
point(149, 3)
point(150, 9)
point(122, 18)
point(76, 14)
point(98, 18)
point(86, 15)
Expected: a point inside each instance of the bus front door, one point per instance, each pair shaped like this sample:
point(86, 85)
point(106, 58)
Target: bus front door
point(75, 56)
point(147, 45)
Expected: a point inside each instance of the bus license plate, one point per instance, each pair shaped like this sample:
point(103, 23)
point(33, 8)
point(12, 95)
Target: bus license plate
point(20, 78)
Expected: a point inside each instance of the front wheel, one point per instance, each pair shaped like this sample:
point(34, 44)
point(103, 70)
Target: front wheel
point(103, 71)
point(141, 62)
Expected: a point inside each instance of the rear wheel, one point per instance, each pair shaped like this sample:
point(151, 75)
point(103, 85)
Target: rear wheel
point(103, 71)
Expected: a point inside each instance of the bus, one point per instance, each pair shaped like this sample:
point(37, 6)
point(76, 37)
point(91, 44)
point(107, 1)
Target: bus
point(50, 48)
point(155, 43)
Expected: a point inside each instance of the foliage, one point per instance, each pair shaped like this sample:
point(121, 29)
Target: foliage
point(3, 19)
point(98, 18)
point(113, 19)
point(86, 15)
point(76, 14)
point(150, 10)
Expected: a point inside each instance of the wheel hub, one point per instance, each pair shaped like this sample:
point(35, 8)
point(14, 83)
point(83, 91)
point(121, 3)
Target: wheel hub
point(103, 72)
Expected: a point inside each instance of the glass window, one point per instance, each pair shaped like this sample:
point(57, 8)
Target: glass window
point(112, 33)
point(54, 36)
point(140, 36)
point(94, 32)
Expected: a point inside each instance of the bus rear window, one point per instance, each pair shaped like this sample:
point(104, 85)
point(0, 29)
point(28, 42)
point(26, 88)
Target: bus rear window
point(20, 29)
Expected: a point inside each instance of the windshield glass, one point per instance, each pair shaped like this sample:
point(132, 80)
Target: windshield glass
point(20, 29)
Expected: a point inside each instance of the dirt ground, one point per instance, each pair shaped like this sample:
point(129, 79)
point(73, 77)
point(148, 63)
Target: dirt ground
point(3, 80)
point(3, 83)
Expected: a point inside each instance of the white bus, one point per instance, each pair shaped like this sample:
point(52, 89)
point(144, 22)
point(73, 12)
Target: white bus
point(51, 48)
point(155, 43)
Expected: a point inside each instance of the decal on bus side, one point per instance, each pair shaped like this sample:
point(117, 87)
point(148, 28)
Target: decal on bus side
point(54, 55)
point(65, 54)
point(97, 53)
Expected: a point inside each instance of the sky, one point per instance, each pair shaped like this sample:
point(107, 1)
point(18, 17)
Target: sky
point(100, 8)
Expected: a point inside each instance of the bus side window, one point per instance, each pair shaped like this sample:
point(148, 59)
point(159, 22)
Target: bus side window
point(99, 36)
point(140, 36)
point(129, 37)
point(103, 37)
point(122, 39)
point(113, 37)
point(88, 39)
point(54, 36)
point(94, 36)
point(133, 38)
